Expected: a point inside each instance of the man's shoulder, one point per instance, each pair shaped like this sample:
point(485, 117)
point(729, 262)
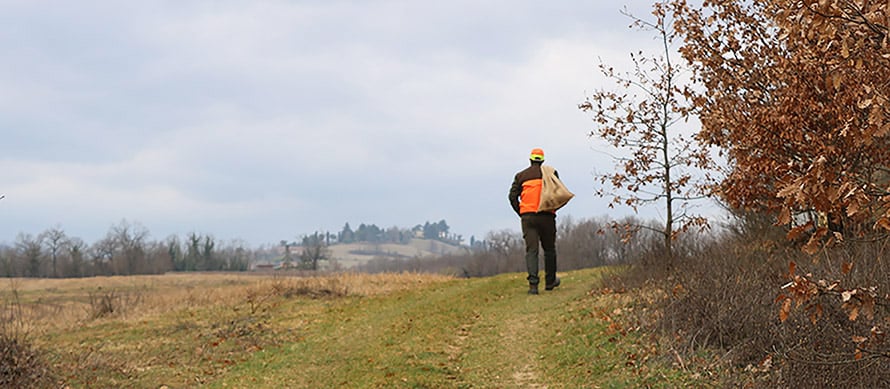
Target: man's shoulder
point(526, 170)
point(531, 172)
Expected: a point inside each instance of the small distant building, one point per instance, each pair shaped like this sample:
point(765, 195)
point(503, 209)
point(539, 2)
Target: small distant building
point(264, 267)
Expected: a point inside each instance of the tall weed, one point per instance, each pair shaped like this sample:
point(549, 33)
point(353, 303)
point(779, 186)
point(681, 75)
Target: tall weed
point(722, 301)
point(22, 365)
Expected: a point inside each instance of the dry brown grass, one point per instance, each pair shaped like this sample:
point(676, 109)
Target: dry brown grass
point(102, 331)
point(56, 304)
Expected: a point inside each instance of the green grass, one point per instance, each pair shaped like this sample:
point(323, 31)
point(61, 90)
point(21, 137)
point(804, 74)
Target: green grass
point(461, 334)
point(457, 333)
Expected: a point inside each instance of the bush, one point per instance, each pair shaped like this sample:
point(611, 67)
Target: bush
point(22, 365)
point(724, 299)
point(105, 303)
point(826, 339)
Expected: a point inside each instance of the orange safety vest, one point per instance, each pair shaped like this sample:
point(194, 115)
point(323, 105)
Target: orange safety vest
point(530, 198)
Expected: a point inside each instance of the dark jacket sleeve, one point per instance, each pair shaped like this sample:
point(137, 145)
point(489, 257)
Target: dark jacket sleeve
point(515, 191)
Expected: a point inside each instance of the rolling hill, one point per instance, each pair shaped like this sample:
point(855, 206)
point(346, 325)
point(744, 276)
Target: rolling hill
point(353, 254)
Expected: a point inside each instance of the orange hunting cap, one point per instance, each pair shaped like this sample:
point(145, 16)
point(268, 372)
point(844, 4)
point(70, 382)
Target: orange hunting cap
point(537, 155)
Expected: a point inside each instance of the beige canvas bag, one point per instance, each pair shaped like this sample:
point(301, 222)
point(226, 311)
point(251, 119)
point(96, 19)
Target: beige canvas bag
point(554, 194)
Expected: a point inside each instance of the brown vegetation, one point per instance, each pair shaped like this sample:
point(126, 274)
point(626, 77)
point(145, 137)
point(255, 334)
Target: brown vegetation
point(794, 95)
point(724, 312)
point(22, 365)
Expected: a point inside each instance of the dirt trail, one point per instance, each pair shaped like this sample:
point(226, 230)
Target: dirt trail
point(509, 333)
point(526, 362)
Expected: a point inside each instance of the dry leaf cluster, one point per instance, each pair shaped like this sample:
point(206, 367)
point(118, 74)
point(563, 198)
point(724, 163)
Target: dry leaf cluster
point(795, 93)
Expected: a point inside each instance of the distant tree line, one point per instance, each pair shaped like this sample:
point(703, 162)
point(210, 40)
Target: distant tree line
point(126, 249)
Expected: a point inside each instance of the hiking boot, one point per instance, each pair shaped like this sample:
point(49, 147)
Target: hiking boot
point(532, 289)
point(553, 285)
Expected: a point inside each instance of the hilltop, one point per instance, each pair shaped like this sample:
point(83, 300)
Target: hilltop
point(348, 255)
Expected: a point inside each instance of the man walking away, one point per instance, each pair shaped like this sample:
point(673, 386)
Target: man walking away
point(537, 227)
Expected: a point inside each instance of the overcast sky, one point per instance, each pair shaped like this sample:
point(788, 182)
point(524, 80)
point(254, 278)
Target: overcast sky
point(268, 120)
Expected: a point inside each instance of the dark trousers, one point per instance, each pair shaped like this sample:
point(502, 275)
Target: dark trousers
point(540, 229)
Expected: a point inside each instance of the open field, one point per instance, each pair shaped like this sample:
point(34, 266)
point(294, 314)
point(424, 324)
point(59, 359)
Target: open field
point(343, 330)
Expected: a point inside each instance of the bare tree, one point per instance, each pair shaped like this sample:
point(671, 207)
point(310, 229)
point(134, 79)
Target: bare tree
point(55, 241)
point(7, 261)
point(504, 248)
point(77, 250)
point(236, 255)
point(102, 254)
point(129, 241)
point(663, 165)
point(30, 252)
point(582, 244)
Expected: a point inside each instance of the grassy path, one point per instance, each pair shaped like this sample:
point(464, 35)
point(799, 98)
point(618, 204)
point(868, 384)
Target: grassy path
point(462, 333)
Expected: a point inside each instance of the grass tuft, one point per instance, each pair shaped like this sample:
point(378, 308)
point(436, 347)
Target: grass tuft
point(22, 365)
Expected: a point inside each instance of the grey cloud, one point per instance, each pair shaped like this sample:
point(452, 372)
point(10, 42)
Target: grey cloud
point(270, 119)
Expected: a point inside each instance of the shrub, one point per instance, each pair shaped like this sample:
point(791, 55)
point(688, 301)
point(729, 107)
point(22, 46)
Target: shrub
point(104, 303)
point(22, 365)
point(725, 297)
